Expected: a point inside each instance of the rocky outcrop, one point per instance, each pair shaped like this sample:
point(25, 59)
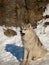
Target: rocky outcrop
point(14, 12)
point(10, 33)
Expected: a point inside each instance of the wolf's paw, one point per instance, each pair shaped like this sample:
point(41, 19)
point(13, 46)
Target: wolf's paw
point(28, 63)
point(22, 63)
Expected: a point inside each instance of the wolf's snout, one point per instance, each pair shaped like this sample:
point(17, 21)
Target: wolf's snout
point(22, 33)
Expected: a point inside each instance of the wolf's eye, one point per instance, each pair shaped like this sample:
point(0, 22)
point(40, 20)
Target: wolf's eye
point(24, 29)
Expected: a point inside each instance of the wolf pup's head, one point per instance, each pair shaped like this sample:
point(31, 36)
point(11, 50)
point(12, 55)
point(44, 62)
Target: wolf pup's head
point(26, 29)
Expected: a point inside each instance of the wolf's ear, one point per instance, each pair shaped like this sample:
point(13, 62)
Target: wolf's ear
point(22, 25)
point(29, 25)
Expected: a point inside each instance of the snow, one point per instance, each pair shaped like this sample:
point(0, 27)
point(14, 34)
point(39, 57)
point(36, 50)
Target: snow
point(15, 39)
point(7, 56)
point(43, 32)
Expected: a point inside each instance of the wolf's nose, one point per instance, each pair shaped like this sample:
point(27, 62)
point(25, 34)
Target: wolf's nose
point(21, 31)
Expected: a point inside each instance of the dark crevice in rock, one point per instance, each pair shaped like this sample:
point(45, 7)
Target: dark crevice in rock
point(26, 19)
point(26, 5)
point(46, 24)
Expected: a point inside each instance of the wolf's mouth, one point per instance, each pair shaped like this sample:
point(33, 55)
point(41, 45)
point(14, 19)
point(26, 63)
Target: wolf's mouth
point(23, 34)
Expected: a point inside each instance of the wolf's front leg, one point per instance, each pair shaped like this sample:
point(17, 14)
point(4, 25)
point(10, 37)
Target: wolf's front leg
point(29, 58)
point(25, 57)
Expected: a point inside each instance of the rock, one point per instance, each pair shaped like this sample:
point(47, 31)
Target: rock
point(20, 3)
point(36, 4)
point(14, 12)
point(10, 32)
point(33, 17)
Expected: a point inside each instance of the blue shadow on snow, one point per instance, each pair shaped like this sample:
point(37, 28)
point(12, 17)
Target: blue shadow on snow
point(16, 51)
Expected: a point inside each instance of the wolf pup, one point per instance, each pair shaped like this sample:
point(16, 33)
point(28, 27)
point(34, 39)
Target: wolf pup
point(33, 48)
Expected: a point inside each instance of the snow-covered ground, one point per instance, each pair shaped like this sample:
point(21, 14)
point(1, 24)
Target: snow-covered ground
point(41, 31)
point(16, 40)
